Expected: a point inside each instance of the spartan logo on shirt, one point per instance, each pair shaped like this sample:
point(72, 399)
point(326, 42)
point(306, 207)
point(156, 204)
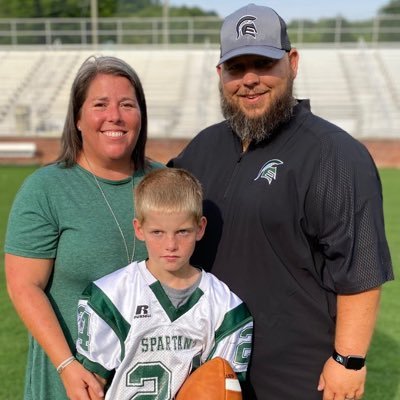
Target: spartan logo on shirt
point(269, 170)
point(142, 311)
point(246, 26)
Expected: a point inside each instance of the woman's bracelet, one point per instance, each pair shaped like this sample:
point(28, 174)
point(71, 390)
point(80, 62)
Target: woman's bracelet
point(65, 364)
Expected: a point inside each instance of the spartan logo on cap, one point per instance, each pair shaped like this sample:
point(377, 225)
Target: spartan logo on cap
point(246, 26)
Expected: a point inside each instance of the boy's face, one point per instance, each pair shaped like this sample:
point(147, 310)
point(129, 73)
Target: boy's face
point(170, 240)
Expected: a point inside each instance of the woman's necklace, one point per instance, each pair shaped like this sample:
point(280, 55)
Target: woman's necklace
point(130, 259)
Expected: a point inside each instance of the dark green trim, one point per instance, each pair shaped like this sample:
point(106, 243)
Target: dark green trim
point(106, 310)
point(172, 312)
point(237, 317)
point(94, 367)
point(241, 376)
point(233, 320)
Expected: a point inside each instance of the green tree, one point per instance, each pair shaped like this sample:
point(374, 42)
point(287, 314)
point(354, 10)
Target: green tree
point(321, 31)
point(79, 8)
point(129, 7)
point(389, 26)
point(392, 8)
point(69, 8)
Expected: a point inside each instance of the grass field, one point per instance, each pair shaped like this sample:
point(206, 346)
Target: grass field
point(383, 359)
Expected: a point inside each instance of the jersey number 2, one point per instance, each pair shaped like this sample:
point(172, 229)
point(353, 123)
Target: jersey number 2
point(155, 375)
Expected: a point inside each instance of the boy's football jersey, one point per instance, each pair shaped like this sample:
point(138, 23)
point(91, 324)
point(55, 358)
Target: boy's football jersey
point(127, 324)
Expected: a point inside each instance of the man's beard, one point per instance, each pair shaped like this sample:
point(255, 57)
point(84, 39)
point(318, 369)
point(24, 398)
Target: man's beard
point(258, 128)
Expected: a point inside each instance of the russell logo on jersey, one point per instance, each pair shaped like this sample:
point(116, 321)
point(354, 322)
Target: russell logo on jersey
point(142, 311)
point(269, 170)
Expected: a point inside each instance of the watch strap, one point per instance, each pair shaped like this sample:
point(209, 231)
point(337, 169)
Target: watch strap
point(350, 362)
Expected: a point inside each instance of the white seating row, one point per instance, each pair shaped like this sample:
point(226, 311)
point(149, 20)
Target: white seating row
point(357, 89)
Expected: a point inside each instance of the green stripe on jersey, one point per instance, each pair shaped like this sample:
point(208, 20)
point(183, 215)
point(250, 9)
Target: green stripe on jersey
point(234, 319)
point(106, 310)
point(94, 367)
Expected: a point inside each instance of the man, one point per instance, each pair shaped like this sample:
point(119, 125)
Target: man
point(296, 229)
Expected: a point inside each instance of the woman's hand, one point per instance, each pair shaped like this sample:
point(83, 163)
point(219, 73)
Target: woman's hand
point(80, 384)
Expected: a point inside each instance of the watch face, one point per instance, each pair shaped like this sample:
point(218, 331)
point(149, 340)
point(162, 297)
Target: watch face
point(354, 362)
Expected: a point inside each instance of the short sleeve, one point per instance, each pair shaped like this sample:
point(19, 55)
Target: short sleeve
point(345, 205)
point(97, 345)
point(102, 331)
point(32, 229)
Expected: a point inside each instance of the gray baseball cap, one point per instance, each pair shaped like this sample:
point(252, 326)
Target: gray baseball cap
point(255, 30)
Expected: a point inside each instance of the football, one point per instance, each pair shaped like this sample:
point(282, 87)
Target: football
point(214, 380)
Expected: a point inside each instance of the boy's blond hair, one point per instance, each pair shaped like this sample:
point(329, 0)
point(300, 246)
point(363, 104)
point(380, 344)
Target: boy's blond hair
point(169, 190)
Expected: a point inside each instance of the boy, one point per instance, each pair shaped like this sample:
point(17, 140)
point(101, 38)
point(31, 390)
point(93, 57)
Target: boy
point(145, 327)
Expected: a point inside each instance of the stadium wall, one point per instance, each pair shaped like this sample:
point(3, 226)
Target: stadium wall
point(386, 153)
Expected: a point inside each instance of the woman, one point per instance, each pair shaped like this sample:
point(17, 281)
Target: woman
point(71, 222)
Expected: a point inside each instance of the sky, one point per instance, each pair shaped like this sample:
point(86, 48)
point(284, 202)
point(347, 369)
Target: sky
point(295, 9)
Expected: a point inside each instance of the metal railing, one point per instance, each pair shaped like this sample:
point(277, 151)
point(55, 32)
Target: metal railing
point(183, 30)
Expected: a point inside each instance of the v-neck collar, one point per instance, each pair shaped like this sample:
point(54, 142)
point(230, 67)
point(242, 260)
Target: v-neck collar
point(173, 312)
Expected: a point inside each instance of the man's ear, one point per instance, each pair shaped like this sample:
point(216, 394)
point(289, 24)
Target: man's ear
point(137, 226)
point(294, 61)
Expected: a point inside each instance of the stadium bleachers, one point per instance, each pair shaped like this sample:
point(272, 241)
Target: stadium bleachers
point(15, 72)
point(390, 62)
point(322, 78)
point(358, 89)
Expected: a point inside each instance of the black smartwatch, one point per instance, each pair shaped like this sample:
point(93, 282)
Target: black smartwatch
point(349, 362)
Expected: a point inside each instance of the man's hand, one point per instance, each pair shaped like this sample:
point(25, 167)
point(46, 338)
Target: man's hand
point(339, 383)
